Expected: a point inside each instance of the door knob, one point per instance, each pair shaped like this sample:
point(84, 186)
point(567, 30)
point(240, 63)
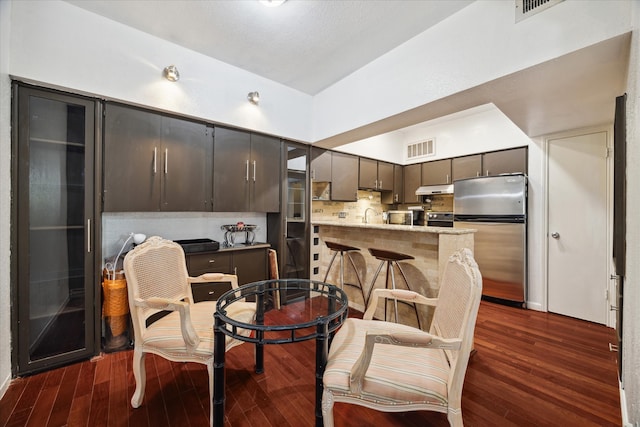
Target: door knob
point(555, 235)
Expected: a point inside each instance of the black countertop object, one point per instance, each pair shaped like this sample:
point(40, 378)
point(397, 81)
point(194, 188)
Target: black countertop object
point(198, 245)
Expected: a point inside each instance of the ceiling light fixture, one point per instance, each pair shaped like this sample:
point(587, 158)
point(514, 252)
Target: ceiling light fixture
point(171, 73)
point(254, 97)
point(272, 3)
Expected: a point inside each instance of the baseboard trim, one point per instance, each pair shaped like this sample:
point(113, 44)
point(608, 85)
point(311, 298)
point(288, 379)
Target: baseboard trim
point(623, 407)
point(5, 386)
point(535, 306)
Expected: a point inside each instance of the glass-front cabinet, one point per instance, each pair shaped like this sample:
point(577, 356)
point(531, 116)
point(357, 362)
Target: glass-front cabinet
point(55, 317)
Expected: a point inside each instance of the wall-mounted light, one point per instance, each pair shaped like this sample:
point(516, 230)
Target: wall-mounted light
point(254, 97)
point(171, 73)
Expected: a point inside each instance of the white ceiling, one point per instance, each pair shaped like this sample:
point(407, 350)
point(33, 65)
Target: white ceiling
point(306, 45)
point(309, 45)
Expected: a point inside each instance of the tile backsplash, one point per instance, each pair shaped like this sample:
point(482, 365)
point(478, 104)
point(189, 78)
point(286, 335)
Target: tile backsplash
point(325, 210)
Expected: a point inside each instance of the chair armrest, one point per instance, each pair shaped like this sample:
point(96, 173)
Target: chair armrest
point(191, 338)
point(406, 339)
point(399, 294)
point(215, 277)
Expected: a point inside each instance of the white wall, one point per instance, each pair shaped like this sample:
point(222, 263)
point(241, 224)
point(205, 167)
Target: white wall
point(62, 45)
point(476, 45)
point(631, 314)
point(5, 196)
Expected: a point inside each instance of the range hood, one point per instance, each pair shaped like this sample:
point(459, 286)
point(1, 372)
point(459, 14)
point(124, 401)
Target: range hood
point(427, 190)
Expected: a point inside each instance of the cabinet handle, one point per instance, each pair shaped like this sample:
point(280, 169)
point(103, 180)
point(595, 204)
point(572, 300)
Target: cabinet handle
point(166, 160)
point(313, 174)
point(246, 175)
point(155, 159)
point(89, 235)
point(447, 178)
point(235, 271)
point(477, 173)
point(254, 171)
point(211, 261)
point(211, 292)
point(487, 172)
point(395, 197)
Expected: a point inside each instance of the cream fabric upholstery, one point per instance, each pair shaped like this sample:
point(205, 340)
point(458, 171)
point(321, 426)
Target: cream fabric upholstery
point(395, 368)
point(157, 280)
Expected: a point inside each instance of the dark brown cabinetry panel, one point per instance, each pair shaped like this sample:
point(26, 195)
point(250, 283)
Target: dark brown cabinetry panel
point(506, 161)
point(246, 171)
point(320, 165)
point(344, 177)
point(375, 175)
point(385, 176)
point(55, 313)
point(437, 172)
point(466, 167)
point(250, 265)
point(155, 163)
point(412, 180)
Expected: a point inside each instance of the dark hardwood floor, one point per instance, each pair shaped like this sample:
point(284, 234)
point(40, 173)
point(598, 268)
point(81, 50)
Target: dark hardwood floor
point(530, 369)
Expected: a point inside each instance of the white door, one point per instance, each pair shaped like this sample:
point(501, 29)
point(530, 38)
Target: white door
point(577, 233)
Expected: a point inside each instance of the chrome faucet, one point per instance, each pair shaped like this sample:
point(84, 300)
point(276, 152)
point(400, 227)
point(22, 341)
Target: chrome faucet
point(364, 219)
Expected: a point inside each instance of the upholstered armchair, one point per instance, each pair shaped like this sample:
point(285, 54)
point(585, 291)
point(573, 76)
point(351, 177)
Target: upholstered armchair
point(158, 281)
point(396, 368)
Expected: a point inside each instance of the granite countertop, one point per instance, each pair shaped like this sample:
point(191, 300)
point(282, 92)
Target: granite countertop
point(412, 228)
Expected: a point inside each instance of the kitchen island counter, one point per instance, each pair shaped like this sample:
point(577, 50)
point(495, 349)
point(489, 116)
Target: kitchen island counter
point(430, 247)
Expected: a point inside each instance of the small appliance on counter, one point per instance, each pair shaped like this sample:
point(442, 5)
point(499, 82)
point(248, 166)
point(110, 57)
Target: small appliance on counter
point(400, 217)
point(418, 215)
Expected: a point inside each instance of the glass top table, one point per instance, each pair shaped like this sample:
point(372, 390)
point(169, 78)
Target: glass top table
point(316, 316)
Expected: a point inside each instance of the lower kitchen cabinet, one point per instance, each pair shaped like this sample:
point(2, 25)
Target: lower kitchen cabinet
point(250, 264)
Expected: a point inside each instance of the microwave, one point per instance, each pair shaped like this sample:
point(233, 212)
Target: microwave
point(400, 217)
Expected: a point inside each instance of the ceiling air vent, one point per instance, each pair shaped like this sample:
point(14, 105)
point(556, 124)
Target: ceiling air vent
point(421, 149)
point(527, 8)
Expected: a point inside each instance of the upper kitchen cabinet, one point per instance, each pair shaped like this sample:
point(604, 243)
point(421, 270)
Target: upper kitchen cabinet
point(375, 175)
point(412, 180)
point(55, 308)
point(437, 172)
point(246, 171)
point(320, 165)
point(344, 177)
point(394, 196)
point(155, 163)
point(466, 166)
point(505, 161)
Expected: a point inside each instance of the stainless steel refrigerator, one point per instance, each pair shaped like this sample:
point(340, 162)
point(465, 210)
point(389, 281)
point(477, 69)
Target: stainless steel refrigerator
point(496, 206)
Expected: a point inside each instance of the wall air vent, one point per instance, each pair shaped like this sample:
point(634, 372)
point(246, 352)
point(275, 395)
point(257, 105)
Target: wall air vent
point(421, 149)
point(527, 8)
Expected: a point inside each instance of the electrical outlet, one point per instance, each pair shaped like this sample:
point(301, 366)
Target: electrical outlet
point(342, 214)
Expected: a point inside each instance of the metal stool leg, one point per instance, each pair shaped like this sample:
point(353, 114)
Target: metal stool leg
point(329, 267)
point(393, 286)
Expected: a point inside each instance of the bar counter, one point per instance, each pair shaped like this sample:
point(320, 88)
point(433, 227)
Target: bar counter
point(430, 246)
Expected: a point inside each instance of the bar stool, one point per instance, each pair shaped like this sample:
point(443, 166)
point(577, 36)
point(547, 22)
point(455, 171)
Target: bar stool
point(343, 250)
point(392, 259)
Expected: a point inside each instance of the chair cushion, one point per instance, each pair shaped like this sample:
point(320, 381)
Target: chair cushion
point(165, 336)
point(397, 375)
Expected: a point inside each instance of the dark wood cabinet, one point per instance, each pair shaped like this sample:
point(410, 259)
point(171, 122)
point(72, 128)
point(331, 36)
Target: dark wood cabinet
point(154, 162)
point(56, 295)
point(375, 175)
point(320, 165)
point(437, 172)
point(246, 171)
point(250, 265)
point(412, 180)
point(396, 195)
point(505, 161)
point(466, 167)
point(344, 177)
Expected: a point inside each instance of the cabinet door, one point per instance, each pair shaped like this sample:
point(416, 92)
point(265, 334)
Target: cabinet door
point(385, 176)
point(231, 158)
point(437, 172)
point(186, 165)
point(265, 178)
point(412, 180)
point(56, 320)
point(466, 167)
point(368, 175)
point(250, 265)
point(344, 177)
point(132, 160)
point(395, 196)
point(320, 165)
point(505, 161)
